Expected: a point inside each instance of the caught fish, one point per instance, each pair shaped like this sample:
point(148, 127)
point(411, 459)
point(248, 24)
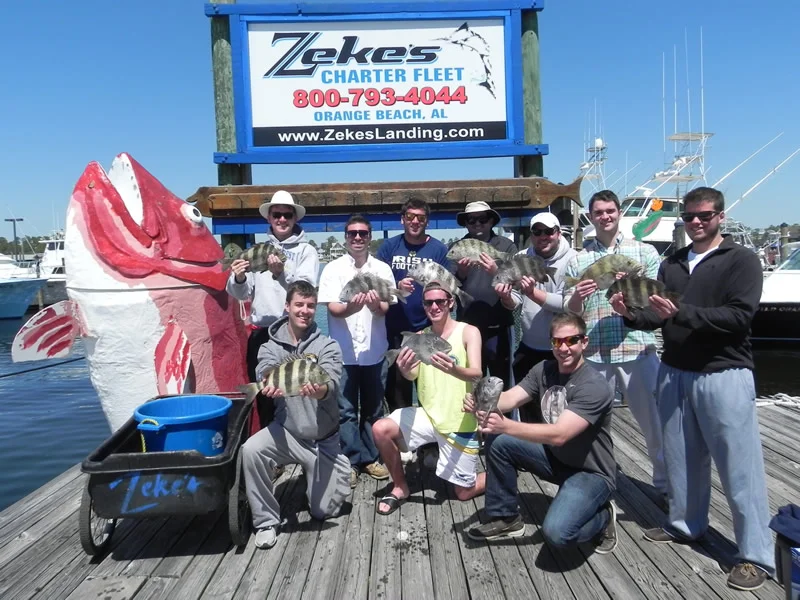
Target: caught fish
point(486, 393)
point(472, 248)
point(427, 271)
point(289, 376)
point(365, 282)
point(424, 346)
point(604, 271)
point(514, 269)
point(637, 290)
point(256, 255)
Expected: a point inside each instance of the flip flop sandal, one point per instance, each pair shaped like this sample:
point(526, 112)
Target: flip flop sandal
point(393, 501)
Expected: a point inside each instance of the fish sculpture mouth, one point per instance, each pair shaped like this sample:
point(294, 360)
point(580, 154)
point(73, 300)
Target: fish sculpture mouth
point(167, 236)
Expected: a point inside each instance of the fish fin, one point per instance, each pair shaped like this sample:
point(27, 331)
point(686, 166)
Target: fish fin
point(551, 272)
point(50, 333)
point(464, 297)
point(391, 356)
point(401, 295)
point(250, 391)
point(226, 263)
point(173, 359)
point(571, 282)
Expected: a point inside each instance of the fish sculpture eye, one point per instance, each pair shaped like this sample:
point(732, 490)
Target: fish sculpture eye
point(192, 213)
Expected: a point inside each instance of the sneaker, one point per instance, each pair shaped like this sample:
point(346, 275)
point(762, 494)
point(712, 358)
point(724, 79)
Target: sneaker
point(498, 528)
point(608, 538)
point(353, 478)
point(377, 471)
point(658, 536)
point(266, 538)
point(747, 577)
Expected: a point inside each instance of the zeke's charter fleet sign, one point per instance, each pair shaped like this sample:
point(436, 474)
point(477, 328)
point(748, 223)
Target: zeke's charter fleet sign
point(359, 82)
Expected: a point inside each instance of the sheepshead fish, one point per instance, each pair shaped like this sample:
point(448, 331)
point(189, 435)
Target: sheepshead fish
point(256, 255)
point(487, 394)
point(424, 346)
point(427, 271)
point(604, 271)
point(289, 376)
point(514, 269)
point(637, 290)
point(364, 282)
point(472, 248)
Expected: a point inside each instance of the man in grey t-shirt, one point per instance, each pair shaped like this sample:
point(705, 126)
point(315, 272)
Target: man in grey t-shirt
point(572, 447)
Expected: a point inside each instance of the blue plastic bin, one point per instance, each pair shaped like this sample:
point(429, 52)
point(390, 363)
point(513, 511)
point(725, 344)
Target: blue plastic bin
point(191, 422)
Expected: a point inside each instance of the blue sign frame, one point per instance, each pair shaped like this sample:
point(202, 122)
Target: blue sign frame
point(320, 11)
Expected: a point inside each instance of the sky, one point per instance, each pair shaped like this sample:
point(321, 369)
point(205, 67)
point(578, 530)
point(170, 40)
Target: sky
point(87, 80)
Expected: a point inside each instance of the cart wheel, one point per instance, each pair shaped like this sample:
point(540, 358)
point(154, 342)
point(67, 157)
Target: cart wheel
point(239, 517)
point(95, 532)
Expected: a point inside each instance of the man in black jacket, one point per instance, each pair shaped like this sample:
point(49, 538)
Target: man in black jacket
point(705, 387)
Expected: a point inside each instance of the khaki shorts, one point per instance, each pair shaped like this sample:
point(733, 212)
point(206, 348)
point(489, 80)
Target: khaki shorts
point(454, 465)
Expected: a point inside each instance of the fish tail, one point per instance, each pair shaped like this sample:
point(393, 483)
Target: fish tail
point(250, 390)
point(401, 295)
point(391, 356)
point(551, 272)
point(571, 282)
point(226, 263)
point(464, 297)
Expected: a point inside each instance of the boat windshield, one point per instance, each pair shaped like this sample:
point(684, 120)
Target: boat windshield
point(669, 207)
point(792, 263)
point(632, 207)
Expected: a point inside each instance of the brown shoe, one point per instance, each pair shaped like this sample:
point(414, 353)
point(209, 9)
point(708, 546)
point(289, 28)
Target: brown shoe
point(747, 577)
point(377, 471)
point(658, 536)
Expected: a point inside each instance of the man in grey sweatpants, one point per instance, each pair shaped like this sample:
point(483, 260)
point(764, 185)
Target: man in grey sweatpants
point(305, 430)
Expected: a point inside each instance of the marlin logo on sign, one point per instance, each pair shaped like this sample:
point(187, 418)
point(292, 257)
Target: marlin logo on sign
point(302, 59)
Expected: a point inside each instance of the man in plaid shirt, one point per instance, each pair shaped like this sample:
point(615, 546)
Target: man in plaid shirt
point(626, 357)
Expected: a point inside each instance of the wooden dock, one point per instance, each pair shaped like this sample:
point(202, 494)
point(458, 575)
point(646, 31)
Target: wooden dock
point(419, 552)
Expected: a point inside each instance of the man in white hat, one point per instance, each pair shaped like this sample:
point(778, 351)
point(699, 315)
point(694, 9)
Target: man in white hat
point(267, 290)
point(490, 312)
point(541, 301)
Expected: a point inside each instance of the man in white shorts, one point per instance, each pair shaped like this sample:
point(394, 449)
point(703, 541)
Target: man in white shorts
point(441, 387)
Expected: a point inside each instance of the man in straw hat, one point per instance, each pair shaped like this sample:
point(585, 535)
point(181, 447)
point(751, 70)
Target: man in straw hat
point(267, 290)
point(490, 311)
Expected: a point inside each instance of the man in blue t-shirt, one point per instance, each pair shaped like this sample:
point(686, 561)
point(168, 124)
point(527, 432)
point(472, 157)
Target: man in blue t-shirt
point(401, 253)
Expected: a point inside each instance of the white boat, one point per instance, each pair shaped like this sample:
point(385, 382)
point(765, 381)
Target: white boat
point(50, 267)
point(778, 316)
point(17, 294)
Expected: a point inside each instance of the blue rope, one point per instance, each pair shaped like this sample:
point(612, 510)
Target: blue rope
point(63, 362)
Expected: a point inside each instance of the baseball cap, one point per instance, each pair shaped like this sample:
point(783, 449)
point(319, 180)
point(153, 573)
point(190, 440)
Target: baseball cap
point(545, 218)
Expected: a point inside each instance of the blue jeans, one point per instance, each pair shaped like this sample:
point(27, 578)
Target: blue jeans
point(575, 515)
point(360, 405)
point(713, 415)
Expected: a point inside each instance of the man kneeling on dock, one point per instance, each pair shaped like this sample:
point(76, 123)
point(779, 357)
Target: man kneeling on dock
point(571, 446)
point(305, 430)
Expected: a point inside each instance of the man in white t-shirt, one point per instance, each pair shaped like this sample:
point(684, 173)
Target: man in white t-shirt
point(359, 327)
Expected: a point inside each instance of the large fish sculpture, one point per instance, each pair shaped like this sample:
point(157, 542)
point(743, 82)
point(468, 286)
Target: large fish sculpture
point(146, 294)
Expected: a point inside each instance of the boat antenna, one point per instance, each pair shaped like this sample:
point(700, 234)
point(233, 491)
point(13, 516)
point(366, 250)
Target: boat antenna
point(663, 107)
point(675, 96)
point(688, 82)
point(736, 168)
point(702, 90)
point(763, 179)
point(624, 175)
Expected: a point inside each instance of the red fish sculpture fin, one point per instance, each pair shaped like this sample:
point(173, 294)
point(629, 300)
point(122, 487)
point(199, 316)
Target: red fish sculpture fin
point(173, 359)
point(49, 333)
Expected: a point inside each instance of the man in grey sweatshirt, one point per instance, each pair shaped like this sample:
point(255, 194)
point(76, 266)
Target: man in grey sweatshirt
point(305, 429)
point(267, 290)
point(540, 301)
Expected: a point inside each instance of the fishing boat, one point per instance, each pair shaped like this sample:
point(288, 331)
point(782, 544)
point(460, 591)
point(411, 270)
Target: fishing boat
point(17, 294)
point(50, 266)
point(778, 316)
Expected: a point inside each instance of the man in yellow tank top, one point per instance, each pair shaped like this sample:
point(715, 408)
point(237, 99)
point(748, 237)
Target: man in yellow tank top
point(441, 387)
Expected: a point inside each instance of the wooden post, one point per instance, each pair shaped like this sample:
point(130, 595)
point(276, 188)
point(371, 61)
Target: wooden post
point(221, 63)
point(679, 235)
point(784, 241)
point(530, 166)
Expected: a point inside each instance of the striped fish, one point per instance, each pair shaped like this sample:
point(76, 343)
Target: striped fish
point(256, 255)
point(289, 376)
point(519, 266)
point(364, 282)
point(604, 271)
point(637, 290)
point(472, 248)
point(424, 345)
point(426, 271)
point(486, 393)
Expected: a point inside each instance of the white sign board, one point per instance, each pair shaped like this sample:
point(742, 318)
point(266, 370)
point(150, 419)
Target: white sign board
point(363, 82)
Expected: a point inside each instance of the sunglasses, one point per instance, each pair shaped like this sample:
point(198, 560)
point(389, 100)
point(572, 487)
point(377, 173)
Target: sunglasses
point(354, 233)
point(545, 231)
point(282, 215)
point(570, 340)
point(414, 217)
point(440, 302)
point(704, 216)
point(483, 220)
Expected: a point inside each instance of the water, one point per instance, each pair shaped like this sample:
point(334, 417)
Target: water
point(51, 419)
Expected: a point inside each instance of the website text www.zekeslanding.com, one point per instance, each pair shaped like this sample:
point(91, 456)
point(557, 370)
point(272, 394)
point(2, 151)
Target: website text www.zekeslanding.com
point(378, 134)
